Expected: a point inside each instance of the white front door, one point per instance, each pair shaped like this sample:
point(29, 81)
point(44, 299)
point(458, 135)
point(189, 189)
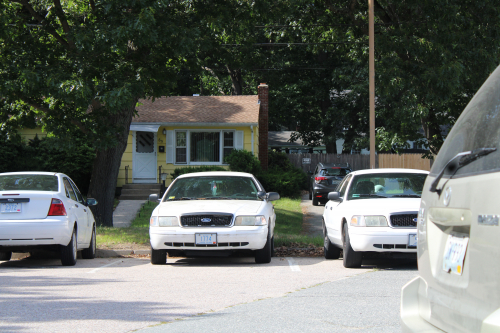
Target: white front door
point(144, 158)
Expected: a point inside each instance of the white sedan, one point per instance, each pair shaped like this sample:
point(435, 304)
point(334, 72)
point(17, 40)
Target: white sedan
point(45, 210)
point(373, 210)
point(213, 213)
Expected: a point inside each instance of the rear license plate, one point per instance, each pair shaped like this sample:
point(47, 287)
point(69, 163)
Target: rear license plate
point(454, 253)
point(412, 240)
point(205, 239)
point(11, 207)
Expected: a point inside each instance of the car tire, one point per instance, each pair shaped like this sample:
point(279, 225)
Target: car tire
point(310, 194)
point(89, 253)
point(69, 252)
point(5, 256)
point(352, 259)
point(158, 257)
point(263, 256)
point(273, 253)
point(330, 251)
point(315, 201)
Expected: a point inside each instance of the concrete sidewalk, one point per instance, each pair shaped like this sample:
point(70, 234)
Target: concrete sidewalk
point(313, 217)
point(125, 212)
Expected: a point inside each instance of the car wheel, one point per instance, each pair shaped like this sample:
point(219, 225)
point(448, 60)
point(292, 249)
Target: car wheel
point(69, 252)
point(5, 256)
point(273, 254)
point(352, 259)
point(90, 252)
point(310, 194)
point(315, 201)
point(329, 250)
point(158, 257)
point(263, 256)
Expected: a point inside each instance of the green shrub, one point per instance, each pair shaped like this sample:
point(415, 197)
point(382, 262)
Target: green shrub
point(181, 171)
point(243, 161)
point(279, 160)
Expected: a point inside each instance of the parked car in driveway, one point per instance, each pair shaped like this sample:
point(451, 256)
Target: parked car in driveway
point(373, 210)
point(458, 287)
point(45, 210)
point(324, 179)
point(213, 213)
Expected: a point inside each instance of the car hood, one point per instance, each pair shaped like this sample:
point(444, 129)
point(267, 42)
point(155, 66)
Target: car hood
point(381, 206)
point(235, 207)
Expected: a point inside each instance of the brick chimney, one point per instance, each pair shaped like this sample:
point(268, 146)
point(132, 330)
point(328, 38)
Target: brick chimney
point(263, 124)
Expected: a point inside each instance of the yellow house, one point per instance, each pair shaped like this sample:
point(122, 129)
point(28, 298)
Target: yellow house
point(190, 131)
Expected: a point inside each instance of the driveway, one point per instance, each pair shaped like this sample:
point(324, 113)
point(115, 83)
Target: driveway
point(313, 217)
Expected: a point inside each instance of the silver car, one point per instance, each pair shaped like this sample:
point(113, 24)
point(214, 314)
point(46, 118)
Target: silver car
point(458, 247)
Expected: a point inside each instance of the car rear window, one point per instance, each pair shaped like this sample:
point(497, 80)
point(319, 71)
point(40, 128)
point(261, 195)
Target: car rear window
point(335, 171)
point(477, 127)
point(212, 188)
point(28, 183)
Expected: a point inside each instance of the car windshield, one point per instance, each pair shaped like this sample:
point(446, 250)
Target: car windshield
point(28, 183)
point(334, 171)
point(212, 188)
point(387, 185)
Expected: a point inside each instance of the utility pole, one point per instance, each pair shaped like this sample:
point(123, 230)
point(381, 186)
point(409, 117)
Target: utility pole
point(372, 82)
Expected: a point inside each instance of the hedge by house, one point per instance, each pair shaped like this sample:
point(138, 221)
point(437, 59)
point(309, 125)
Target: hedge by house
point(73, 158)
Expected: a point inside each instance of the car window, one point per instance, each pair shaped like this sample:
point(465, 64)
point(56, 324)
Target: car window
point(69, 190)
point(477, 127)
point(29, 182)
point(333, 171)
point(386, 185)
point(343, 185)
point(79, 196)
point(212, 187)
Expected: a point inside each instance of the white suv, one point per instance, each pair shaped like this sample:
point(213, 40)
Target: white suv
point(458, 289)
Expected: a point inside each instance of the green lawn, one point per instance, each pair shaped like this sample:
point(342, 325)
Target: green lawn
point(288, 229)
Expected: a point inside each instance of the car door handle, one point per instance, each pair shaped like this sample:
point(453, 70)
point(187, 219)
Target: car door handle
point(76, 205)
point(330, 208)
point(85, 210)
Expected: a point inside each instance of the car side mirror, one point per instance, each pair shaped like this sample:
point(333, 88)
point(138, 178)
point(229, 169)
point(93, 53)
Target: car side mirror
point(271, 196)
point(154, 197)
point(334, 196)
point(91, 202)
point(262, 195)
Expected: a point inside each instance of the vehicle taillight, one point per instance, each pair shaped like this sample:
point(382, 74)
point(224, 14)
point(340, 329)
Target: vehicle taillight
point(319, 179)
point(57, 208)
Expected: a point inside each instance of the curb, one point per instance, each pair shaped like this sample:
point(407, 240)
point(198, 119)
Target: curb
point(119, 253)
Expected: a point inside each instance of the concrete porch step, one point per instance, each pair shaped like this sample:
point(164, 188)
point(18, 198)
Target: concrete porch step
point(139, 191)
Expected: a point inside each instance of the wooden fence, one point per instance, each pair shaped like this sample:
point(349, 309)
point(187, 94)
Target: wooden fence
point(359, 162)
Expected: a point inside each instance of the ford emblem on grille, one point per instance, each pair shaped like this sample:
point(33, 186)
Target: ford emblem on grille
point(206, 220)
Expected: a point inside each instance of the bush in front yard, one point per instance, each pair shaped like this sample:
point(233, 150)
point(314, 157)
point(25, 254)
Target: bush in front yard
point(203, 168)
point(243, 161)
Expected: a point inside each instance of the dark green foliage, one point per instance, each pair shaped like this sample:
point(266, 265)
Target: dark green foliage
point(181, 171)
point(243, 161)
point(73, 158)
point(282, 176)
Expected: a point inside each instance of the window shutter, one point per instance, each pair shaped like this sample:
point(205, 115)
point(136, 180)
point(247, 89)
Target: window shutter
point(170, 149)
point(238, 142)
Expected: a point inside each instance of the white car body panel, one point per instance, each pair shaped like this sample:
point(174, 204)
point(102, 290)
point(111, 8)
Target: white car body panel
point(32, 227)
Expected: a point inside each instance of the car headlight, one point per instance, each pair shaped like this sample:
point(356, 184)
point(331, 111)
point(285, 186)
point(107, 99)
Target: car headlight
point(369, 221)
point(168, 221)
point(250, 220)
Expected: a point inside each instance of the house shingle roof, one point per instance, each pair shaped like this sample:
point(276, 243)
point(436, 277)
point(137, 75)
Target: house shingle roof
point(199, 109)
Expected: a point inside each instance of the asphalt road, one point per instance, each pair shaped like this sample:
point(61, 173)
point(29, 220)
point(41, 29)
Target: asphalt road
point(200, 294)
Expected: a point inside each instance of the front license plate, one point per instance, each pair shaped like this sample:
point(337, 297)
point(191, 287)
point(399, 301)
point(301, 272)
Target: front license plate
point(412, 240)
point(205, 239)
point(454, 253)
point(11, 207)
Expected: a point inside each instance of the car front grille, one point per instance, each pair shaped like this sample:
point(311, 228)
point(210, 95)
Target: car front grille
point(404, 220)
point(209, 220)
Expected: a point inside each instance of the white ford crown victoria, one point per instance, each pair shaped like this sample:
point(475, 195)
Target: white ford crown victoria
point(373, 211)
point(213, 213)
point(45, 210)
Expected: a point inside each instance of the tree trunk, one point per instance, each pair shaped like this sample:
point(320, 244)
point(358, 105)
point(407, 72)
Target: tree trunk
point(237, 80)
point(105, 170)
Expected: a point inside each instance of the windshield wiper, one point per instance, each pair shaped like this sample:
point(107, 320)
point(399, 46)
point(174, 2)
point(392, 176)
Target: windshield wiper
point(458, 161)
point(406, 196)
point(370, 195)
point(183, 198)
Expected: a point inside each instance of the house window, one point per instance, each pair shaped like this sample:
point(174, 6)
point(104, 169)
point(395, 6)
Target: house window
point(181, 147)
point(204, 147)
point(228, 144)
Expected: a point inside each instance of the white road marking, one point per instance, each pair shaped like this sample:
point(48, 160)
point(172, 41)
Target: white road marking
point(98, 268)
point(293, 265)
